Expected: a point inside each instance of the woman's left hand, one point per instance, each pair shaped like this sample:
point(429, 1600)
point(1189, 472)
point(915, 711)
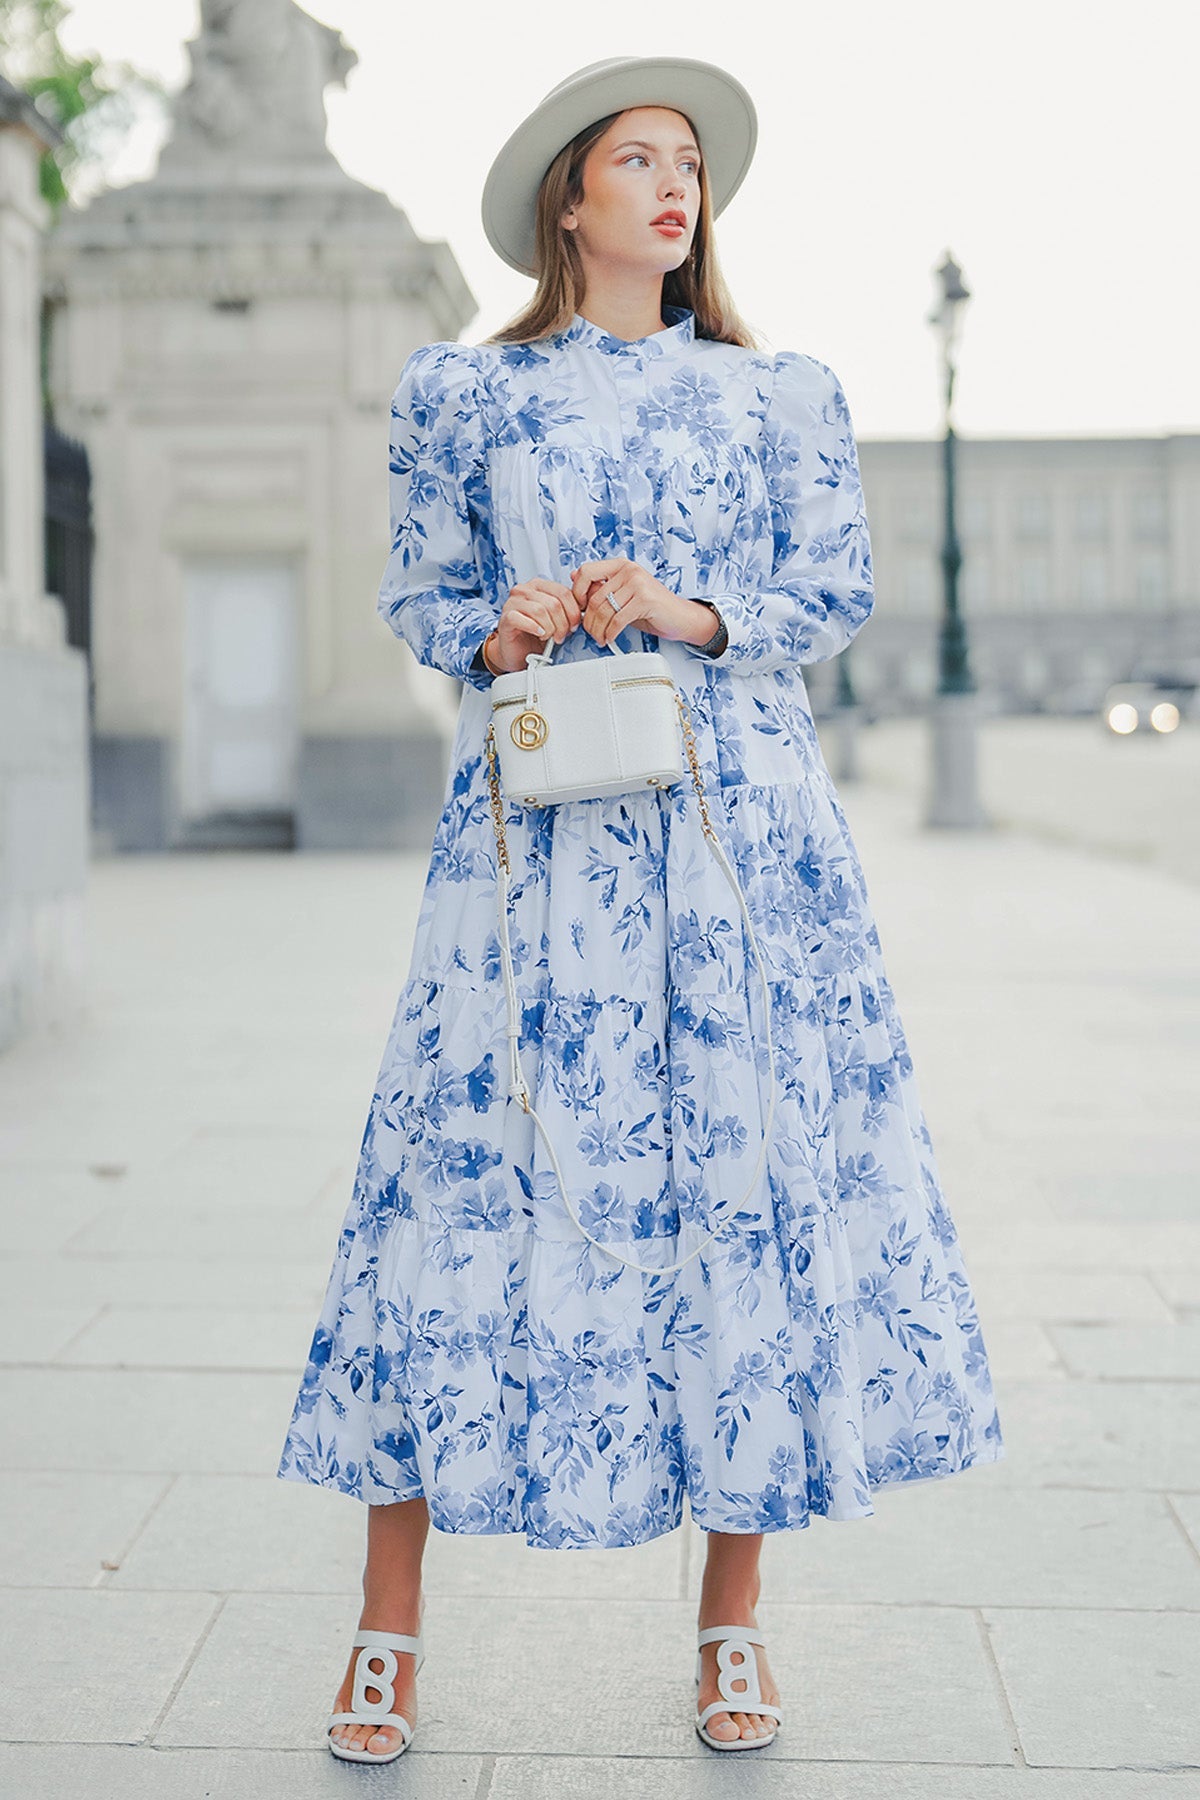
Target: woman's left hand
point(642, 600)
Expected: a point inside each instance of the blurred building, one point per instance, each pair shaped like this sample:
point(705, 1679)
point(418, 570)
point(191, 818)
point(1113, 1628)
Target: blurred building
point(226, 337)
point(1081, 560)
point(43, 679)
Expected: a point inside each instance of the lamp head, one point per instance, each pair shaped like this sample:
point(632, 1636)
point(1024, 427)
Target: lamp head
point(947, 314)
point(954, 288)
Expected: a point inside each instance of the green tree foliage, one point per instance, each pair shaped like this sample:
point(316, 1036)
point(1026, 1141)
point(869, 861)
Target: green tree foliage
point(92, 100)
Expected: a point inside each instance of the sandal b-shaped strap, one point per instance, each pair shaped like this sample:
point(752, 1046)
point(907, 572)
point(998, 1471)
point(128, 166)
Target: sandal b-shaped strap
point(731, 1641)
point(378, 1647)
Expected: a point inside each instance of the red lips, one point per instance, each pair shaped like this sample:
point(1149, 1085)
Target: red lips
point(673, 217)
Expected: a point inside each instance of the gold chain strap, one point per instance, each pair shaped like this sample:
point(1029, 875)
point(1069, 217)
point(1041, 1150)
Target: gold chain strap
point(497, 803)
point(689, 744)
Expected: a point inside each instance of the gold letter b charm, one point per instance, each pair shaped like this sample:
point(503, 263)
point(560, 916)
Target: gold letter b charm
point(528, 730)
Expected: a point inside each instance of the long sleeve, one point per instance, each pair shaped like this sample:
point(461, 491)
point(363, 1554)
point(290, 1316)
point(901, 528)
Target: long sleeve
point(820, 591)
point(432, 592)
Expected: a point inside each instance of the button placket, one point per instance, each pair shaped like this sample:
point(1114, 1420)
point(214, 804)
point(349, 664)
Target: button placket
point(632, 376)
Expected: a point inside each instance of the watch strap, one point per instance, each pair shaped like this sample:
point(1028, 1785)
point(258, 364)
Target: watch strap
point(720, 637)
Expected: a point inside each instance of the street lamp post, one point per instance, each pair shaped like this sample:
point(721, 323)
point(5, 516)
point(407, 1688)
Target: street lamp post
point(953, 797)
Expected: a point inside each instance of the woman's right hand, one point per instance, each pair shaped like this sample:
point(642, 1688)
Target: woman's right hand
point(535, 611)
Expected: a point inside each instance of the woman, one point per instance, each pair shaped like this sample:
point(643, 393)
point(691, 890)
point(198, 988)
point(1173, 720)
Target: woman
point(621, 463)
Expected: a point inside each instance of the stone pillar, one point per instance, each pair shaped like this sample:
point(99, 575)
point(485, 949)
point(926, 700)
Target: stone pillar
point(228, 335)
point(43, 681)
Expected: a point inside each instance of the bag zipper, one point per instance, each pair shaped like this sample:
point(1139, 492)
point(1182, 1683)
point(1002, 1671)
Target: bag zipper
point(625, 681)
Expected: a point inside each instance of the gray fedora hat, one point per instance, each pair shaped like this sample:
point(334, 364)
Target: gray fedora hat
point(718, 105)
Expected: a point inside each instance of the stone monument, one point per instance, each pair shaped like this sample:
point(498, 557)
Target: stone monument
point(227, 337)
point(254, 100)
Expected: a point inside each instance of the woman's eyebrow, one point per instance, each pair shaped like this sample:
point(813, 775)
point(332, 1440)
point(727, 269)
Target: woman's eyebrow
point(641, 144)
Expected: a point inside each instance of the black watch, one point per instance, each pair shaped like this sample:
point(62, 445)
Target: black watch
point(719, 638)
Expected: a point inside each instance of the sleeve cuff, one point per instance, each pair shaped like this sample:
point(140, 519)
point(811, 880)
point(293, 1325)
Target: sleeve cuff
point(476, 673)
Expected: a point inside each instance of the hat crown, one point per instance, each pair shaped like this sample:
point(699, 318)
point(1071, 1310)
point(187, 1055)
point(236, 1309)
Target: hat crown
point(606, 62)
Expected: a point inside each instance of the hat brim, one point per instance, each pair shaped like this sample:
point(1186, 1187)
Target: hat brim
point(716, 102)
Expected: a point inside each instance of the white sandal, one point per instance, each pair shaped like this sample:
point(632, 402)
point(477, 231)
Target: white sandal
point(731, 1640)
point(379, 1647)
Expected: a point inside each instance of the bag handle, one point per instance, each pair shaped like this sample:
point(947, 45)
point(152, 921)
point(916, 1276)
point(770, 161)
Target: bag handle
point(537, 660)
point(518, 1088)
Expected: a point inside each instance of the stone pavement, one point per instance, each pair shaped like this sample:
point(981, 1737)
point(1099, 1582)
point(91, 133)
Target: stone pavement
point(175, 1169)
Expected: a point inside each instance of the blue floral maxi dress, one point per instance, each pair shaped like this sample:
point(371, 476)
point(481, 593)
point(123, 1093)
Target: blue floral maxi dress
point(472, 1346)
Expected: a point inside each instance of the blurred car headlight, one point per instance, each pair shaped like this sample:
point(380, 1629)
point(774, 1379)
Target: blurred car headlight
point(1164, 716)
point(1123, 717)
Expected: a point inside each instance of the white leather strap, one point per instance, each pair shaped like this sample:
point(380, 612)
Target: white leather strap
point(518, 1089)
point(760, 1706)
point(712, 1634)
point(377, 1720)
point(389, 1640)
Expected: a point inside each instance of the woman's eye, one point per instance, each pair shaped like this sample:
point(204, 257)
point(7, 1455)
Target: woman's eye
point(637, 156)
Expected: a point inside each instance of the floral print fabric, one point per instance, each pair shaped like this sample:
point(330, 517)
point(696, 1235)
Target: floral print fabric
point(472, 1347)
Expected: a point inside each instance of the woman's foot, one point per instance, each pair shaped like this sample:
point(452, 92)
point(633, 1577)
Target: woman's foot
point(379, 1740)
point(732, 1609)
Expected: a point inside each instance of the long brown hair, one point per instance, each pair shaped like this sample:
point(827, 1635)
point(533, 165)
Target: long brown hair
point(697, 283)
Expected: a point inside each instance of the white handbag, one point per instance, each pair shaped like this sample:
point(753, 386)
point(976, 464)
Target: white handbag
point(580, 731)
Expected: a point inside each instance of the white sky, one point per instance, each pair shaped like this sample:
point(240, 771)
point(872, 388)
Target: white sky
point(1050, 144)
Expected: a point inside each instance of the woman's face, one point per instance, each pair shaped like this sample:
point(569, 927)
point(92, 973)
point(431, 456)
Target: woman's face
point(647, 163)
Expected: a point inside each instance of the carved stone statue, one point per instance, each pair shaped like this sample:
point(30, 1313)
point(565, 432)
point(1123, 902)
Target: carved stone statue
point(256, 91)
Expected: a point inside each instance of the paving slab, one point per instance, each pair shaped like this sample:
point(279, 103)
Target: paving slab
point(62, 1529)
point(215, 1282)
point(32, 1185)
point(39, 1230)
point(1179, 1285)
point(1186, 1508)
point(1135, 1172)
point(193, 1337)
point(100, 1132)
point(238, 1165)
point(263, 1234)
point(150, 1772)
point(1164, 1194)
point(1101, 1245)
point(223, 1533)
point(1066, 1295)
point(150, 1420)
point(1021, 1347)
point(1093, 1434)
point(1102, 1689)
point(38, 1334)
point(92, 1667)
point(1131, 1352)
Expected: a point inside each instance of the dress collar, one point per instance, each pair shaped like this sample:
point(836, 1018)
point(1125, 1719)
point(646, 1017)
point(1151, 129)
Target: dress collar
point(680, 330)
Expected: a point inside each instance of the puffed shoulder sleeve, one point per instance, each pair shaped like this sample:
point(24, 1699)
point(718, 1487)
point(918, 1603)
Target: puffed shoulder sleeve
point(820, 591)
point(432, 593)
